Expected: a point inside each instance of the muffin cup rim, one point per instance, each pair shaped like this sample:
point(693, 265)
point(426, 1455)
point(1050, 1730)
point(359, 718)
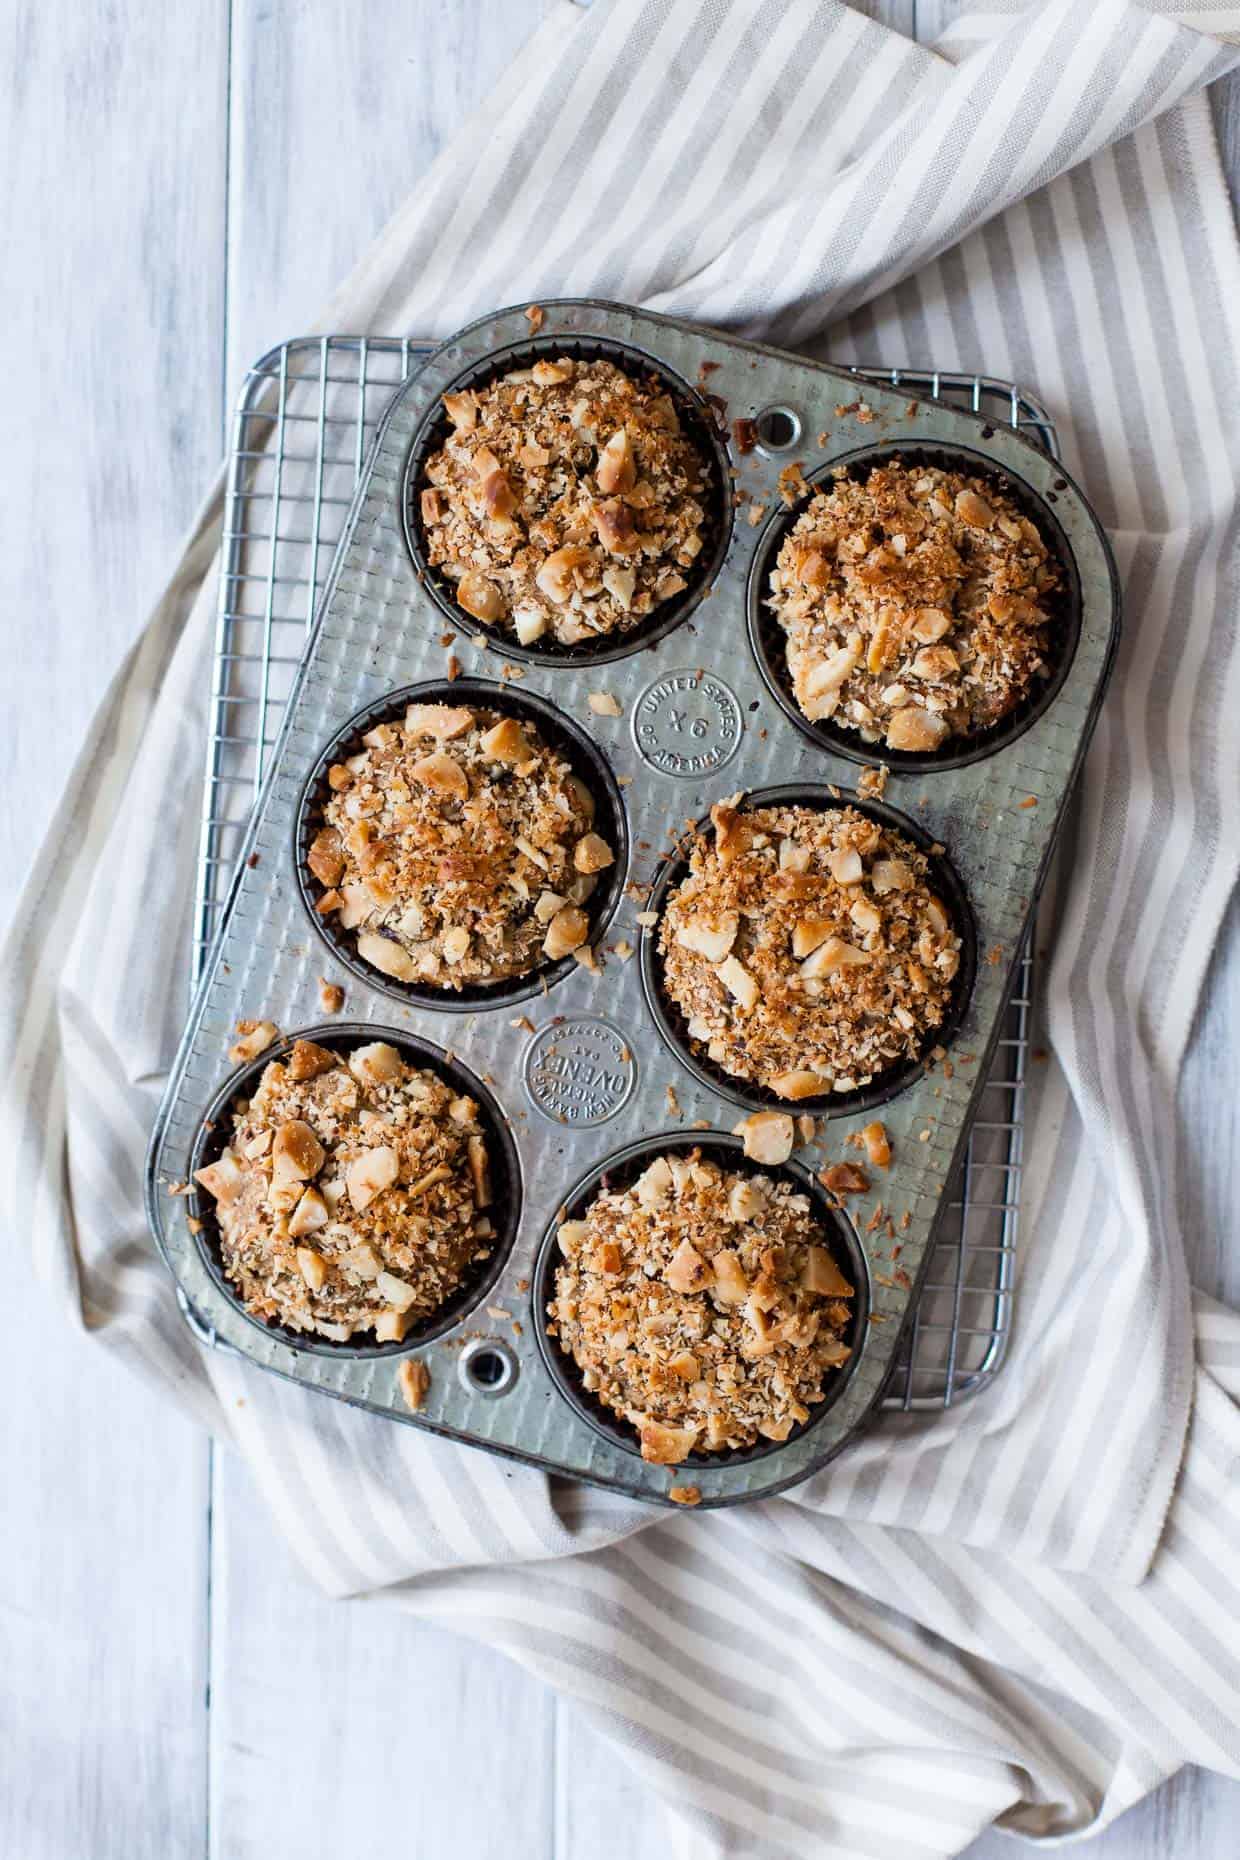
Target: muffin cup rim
point(846, 1248)
point(886, 1085)
point(478, 998)
point(609, 646)
point(766, 639)
point(339, 1035)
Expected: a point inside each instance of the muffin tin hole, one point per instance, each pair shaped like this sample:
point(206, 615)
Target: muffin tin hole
point(777, 429)
point(766, 636)
point(506, 1190)
point(670, 1022)
point(623, 1168)
point(587, 763)
point(487, 1368)
point(697, 423)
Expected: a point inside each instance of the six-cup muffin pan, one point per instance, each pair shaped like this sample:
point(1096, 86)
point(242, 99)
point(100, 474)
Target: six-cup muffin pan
point(581, 1074)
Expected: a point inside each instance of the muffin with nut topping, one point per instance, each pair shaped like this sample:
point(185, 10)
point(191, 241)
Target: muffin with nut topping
point(567, 503)
point(918, 605)
point(702, 1305)
point(351, 1197)
point(806, 949)
point(458, 848)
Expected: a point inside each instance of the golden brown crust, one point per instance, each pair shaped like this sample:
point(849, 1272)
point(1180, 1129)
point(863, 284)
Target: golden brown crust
point(917, 605)
point(351, 1196)
point(567, 503)
point(451, 843)
point(806, 949)
point(702, 1305)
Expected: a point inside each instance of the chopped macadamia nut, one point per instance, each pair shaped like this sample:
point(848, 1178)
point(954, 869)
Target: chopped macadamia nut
point(592, 854)
point(307, 1060)
point(222, 1179)
point(439, 856)
point(567, 501)
point(699, 1345)
point(603, 704)
point(566, 932)
point(296, 1153)
point(768, 1136)
point(255, 1036)
point(910, 619)
point(840, 959)
point(349, 1198)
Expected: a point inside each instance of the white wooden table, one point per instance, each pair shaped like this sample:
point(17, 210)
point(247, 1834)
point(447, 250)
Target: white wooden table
point(170, 1685)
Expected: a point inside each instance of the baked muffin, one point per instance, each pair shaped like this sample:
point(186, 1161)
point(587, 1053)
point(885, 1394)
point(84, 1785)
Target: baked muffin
point(567, 504)
point(352, 1195)
point(458, 848)
point(917, 605)
point(702, 1305)
point(806, 949)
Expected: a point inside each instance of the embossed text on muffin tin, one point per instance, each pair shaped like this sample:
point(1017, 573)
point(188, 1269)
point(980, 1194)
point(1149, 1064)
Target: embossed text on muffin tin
point(687, 723)
point(579, 1070)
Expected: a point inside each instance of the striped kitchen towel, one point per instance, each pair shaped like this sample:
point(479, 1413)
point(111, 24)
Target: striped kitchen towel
point(1027, 1610)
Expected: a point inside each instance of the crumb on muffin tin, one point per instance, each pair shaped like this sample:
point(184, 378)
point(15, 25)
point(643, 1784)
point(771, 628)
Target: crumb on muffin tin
point(567, 500)
point(458, 848)
point(917, 605)
point(351, 1195)
point(702, 1305)
point(805, 948)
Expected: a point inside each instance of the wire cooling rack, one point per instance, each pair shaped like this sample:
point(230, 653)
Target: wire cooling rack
point(304, 421)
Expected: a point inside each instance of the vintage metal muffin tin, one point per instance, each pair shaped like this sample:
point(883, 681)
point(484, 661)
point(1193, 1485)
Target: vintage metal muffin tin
point(700, 717)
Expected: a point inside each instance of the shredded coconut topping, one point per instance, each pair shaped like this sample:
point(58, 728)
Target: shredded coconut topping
point(917, 605)
point(458, 847)
point(805, 948)
point(352, 1193)
point(567, 501)
point(703, 1305)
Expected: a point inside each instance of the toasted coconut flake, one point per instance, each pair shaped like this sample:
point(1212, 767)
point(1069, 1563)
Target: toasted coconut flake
point(877, 1145)
point(415, 1381)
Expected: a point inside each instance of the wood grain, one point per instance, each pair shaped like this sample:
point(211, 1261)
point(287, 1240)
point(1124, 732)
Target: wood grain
point(113, 201)
point(113, 190)
point(337, 1724)
point(336, 111)
point(452, 1740)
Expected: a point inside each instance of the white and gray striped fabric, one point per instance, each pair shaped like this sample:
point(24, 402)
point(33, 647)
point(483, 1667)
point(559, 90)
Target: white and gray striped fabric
point(1026, 1610)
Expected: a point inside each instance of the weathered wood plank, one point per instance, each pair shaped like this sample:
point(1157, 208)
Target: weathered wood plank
point(113, 196)
point(339, 1724)
point(113, 192)
point(367, 1718)
point(336, 112)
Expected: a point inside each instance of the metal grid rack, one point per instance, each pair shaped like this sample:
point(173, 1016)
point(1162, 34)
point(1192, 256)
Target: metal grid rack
point(304, 421)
